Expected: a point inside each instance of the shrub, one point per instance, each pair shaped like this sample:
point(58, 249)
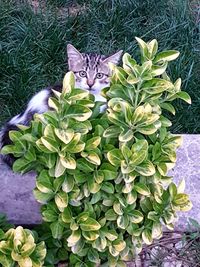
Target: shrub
point(102, 177)
point(18, 248)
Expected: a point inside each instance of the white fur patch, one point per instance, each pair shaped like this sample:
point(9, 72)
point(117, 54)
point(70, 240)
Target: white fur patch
point(38, 104)
point(98, 97)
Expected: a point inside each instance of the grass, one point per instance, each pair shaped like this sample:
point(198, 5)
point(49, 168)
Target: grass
point(33, 44)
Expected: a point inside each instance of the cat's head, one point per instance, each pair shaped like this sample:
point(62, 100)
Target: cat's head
point(91, 70)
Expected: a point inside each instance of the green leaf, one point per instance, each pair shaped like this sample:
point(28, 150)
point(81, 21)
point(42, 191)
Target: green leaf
point(59, 169)
point(146, 204)
point(162, 168)
point(44, 182)
point(118, 208)
point(84, 165)
point(9, 149)
point(92, 143)
point(158, 70)
point(143, 47)
point(138, 114)
point(156, 230)
point(68, 82)
point(128, 62)
point(49, 215)
point(126, 135)
point(136, 216)
point(181, 186)
point(74, 237)
point(142, 189)
point(68, 184)
point(139, 152)
point(25, 262)
point(152, 47)
point(78, 112)
point(132, 79)
point(90, 236)
point(166, 56)
point(172, 190)
point(82, 217)
point(157, 85)
point(41, 147)
point(50, 144)
point(82, 128)
point(119, 245)
point(96, 198)
point(66, 215)
point(57, 230)
point(108, 187)
point(90, 225)
point(165, 122)
point(131, 197)
point(146, 168)
point(115, 156)
point(168, 217)
point(50, 160)
point(111, 235)
point(100, 243)
point(93, 256)
point(64, 135)
point(68, 162)
point(123, 221)
point(113, 251)
point(112, 131)
point(168, 107)
point(93, 186)
point(42, 197)
point(127, 168)
point(30, 154)
point(61, 200)
point(92, 157)
point(57, 183)
point(22, 165)
point(110, 215)
point(180, 199)
point(147, 237)
point(78, 94)
point(184, 96)
point(53, 103)
point(15, 136)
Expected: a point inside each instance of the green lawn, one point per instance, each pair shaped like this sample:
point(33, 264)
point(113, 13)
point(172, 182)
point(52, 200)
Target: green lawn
point(33, 44)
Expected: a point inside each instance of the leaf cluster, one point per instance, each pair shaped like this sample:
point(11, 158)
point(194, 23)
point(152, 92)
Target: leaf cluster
point(19, 247)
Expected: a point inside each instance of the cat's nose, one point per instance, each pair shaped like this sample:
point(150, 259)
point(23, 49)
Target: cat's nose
point(90, 84)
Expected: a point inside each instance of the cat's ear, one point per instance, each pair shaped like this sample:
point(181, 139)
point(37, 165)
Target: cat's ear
point(115, 58)
point(74, 56)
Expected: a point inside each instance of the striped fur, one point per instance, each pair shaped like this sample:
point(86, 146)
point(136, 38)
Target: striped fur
point(96, 74)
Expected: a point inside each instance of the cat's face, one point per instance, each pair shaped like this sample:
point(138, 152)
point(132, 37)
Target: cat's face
point(91, 70)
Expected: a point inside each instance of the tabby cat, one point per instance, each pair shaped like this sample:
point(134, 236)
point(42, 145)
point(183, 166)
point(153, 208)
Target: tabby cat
point(91, 73)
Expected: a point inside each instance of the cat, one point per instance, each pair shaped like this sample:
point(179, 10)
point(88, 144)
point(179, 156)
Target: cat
point(91, 73)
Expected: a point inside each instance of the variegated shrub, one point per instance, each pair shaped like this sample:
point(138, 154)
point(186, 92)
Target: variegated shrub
point(18, 248)
point(102, 177)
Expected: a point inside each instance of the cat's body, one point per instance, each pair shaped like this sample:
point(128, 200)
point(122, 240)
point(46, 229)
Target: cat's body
point(91, 73)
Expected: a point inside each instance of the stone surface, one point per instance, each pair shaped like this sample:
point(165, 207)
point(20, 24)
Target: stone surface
point(16, 197)
point(17, 200)
point(188, 167)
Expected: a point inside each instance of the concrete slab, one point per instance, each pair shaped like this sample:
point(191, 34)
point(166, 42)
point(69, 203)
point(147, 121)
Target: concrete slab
point(188, 167)
point(17, 200)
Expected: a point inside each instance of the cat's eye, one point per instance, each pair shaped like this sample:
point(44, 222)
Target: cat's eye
point(82, 73)
point(99, 75)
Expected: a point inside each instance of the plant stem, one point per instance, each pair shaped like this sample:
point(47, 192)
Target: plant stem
point(137, 93)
